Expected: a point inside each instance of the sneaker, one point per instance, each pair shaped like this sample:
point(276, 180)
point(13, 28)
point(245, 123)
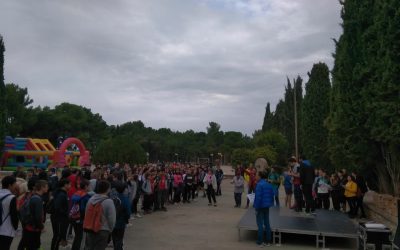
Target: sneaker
point(266, 244)
point(138, 216)
point(209, 204)
point(215, 204)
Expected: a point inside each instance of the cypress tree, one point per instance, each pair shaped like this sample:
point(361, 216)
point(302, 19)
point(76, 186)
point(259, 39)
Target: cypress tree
point(2, 95)
point(315, 109)
point(268, 123)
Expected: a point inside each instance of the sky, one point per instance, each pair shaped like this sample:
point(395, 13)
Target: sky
point(177, 64)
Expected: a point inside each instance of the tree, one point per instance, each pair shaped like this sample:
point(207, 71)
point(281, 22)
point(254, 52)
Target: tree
point(3, 118)
point(268, 119)
point(275, 141)
point(315, 109)
point(19, 112)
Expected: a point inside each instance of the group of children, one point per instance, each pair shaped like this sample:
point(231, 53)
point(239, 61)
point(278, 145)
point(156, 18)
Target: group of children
point(96, 203)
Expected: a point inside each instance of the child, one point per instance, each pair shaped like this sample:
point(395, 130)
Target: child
point(288, 184)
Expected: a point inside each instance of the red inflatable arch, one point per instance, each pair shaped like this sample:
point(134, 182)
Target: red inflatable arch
point(59, 155)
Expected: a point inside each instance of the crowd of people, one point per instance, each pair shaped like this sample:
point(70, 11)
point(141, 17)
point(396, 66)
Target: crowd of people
point(313, 189)
point(96, 203)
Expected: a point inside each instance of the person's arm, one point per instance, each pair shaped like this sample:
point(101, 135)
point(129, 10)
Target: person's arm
point(14, 213)
point(257, 198)
point(36, 208)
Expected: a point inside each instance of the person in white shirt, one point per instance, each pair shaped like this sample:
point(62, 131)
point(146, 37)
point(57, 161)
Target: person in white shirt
point(9, 214)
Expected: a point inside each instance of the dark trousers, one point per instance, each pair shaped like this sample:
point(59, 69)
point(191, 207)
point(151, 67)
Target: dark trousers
point(219, 188)
point(262, 217)
point(352, 201)
point(335, 194)
point(134, 205)
point(187, 193)
point(78, 229)
point(211, 194)
point(5, 242)
point(161, 198)
point(118, 238)
point(60, 227)
point(276, 197)
point(360, 205)
point(310, 204)
point(29, 241)
point(323, 201)
point(238, 199)
point(177, 194)
point(298, 197)
point(147, 201)
point(97, 241)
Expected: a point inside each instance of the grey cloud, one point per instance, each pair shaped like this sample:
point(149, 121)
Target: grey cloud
point(177, 64)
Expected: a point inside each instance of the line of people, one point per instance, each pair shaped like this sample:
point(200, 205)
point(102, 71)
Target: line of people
point(97, 204)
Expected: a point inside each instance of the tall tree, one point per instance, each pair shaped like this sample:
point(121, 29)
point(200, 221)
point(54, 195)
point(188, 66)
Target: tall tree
point(315, 109)
point(349, 141)
point(2, 94)
point(268, 122)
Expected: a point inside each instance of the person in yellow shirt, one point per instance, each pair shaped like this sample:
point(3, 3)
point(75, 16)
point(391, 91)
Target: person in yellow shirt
point(350, 192)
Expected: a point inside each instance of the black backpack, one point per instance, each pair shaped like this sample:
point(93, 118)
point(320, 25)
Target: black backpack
point(1, 210)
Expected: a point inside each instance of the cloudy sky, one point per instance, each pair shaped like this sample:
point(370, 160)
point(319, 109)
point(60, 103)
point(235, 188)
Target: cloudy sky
point(169, 63)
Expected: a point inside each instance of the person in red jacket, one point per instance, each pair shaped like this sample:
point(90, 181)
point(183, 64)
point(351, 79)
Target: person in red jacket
point(252, 172)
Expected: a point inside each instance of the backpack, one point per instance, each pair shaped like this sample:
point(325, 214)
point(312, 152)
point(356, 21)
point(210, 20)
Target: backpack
point(92, 221)
point(117, 201)
point(50, 207)
point(1, 210)
point(25, 210)
point(75, 212)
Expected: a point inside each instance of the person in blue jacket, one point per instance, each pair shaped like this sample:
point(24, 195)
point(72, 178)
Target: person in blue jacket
point(123, 216)
point(264, 199)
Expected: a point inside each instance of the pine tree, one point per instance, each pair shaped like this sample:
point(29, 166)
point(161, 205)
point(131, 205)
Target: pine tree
point(315, 109)
point(2, 94)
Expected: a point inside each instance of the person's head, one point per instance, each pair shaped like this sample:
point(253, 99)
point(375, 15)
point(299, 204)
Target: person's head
point(21, 174)
point(322, 172)
point(120, 186)
point(41, 187)
point(103, 187)
point(84, 185)
point(65, 184)
point(209, 171)
point(344, 171)
point(350, 178)
point(29, 173)
point(237, 173)
point(10, 183)
point(260, 175)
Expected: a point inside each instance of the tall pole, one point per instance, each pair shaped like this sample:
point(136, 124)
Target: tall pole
point(295, 122)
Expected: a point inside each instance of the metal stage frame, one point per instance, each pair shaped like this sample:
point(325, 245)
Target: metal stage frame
point(323, 224)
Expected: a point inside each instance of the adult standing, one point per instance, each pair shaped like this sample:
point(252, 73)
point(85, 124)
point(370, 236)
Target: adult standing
point(251, 186)
point(298, 194)
point(350, 192)
point(362, 189)
point(307, 177)
point(238, 183)
point(264, 199)
point(210, 182)
point(219, 174)
point(60, 217)
point(9, 216)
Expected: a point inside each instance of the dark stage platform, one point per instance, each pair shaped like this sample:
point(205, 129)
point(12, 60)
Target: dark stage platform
point(323, 224)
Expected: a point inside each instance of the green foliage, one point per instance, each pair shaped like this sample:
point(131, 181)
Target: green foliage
point(242, 156)
point(276, 142)
point(315, 109)
point(18, 109)
point(3, 118)
point(267, 152)
point(120, 149)
point(268, 119)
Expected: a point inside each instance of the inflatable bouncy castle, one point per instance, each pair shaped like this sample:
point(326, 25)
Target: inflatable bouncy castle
point(28, 152)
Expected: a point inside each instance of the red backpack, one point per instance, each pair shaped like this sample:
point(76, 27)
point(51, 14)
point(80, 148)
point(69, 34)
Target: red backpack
point(92, 221)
